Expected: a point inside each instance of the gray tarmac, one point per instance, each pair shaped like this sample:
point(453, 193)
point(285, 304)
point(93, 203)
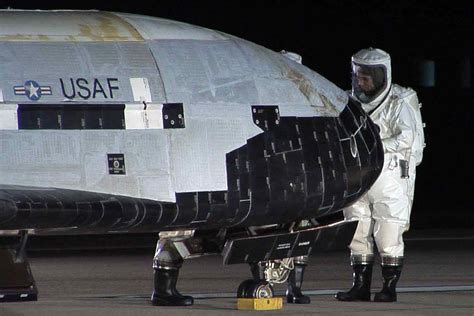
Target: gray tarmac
point(438, 279)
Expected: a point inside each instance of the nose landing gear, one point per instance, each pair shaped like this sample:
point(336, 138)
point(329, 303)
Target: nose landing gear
point(255, 289)
point(257, 295)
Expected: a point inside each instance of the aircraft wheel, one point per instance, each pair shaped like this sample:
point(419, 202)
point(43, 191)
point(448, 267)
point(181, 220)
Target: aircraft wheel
point(255, 289)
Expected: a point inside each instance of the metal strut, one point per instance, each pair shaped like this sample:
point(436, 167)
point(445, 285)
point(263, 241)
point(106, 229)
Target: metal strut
point(16, 280)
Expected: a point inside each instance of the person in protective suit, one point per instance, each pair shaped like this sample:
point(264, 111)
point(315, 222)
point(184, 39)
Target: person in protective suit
point(384, 211)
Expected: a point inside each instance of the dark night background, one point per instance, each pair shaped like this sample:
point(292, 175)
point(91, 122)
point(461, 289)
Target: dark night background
point(326, 34)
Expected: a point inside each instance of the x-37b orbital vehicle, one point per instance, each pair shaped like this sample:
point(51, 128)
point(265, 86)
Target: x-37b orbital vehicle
point(114, 122)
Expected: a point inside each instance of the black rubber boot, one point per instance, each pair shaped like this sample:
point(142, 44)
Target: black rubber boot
point(391, 275)
point(165, 293)
point(360, 290)
point(295, 280)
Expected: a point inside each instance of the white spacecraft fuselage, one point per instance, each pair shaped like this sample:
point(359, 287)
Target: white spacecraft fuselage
point(147, 108)
point(114, 122)
point(114, 58)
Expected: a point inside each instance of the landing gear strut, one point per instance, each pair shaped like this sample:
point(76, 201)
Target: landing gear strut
point(16, 281)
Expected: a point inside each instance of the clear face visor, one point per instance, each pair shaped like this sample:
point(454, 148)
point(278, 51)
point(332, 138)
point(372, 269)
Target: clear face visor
point(368, 82)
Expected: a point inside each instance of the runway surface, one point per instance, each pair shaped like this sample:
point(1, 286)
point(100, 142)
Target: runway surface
point(438, 279)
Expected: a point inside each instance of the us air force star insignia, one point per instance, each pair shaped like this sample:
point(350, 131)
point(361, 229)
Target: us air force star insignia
point(32, 90)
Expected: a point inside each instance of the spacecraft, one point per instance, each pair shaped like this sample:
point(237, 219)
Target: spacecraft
point(115, 122)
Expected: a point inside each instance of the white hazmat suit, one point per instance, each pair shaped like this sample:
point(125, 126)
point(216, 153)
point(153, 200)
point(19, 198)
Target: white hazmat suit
point(384, 211)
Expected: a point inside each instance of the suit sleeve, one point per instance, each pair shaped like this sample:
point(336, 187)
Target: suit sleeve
point(403, 128)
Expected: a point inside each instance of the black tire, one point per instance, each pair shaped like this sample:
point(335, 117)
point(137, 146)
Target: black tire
point(255, 289)
point(243, 288)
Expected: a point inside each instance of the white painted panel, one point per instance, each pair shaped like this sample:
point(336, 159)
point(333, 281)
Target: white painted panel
point(198, 152)
point(140, 89)
point(161, 186)
point(140, 116)
point(8, 115)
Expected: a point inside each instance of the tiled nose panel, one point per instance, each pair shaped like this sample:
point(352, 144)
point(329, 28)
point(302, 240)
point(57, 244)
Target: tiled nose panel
point(303, 167)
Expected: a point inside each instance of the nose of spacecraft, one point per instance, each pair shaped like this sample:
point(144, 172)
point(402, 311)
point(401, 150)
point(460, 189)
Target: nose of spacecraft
point(362, 150)
point(304, 167)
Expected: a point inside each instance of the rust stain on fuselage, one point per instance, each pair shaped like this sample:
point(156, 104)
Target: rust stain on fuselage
point(307, 89)
point(97, 27)
point(107, 30)
point(303, 84)
point(25, 38)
